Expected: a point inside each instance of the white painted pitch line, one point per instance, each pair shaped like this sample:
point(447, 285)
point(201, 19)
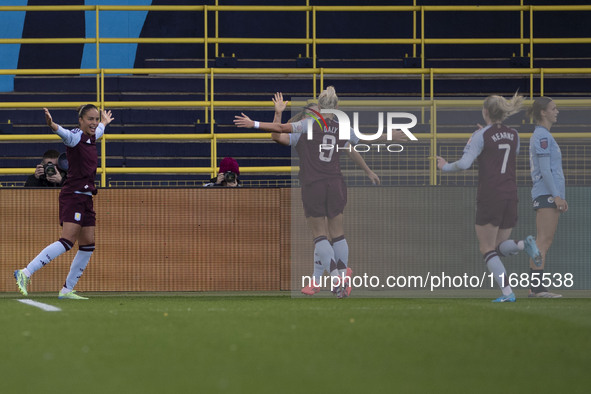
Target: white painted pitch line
point(40, 305)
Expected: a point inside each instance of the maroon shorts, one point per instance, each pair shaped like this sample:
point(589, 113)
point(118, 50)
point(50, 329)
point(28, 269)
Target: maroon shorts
point(500, 213)
point(77, 208)
point(324, 198)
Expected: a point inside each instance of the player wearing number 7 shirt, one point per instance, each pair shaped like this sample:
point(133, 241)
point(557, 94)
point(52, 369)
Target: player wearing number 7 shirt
point(496, 147)
point(324, 193)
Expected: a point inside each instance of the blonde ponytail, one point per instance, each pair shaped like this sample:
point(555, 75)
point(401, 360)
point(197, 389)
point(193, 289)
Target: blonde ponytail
point(328, 98)
point(500, 108)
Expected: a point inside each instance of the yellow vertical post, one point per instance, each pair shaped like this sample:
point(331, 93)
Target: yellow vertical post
point(541, 81)
point(214, 155)
point(307, 29)
point(423, 63)
point(521, 29)
point(205, 57)
point(216, 29)
point(433, 128)
point(97, 52)
point(103, 140)
point(206, 109)
point(422, 52)
point(211, 129)
point(422, 37)
point(314, 48)
point(103, 162)
point(102, 91)
point(431, 84)
point(321, 79)
point(414, 29)
point(205, 35)
point(531, 51)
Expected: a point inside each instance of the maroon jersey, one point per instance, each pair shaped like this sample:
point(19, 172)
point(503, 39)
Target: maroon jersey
point(497, 164)
point(319, 157)
point(82, 164)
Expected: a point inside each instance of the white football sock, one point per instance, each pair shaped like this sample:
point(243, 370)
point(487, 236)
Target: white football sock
point(78, 265)
point(496, 267)
point(341, 254)
point(323, 256)
point(49, 253)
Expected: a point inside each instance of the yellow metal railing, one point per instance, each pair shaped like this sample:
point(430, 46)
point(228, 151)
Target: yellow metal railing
point(209, 104)
point(433, 136)
point(314, 40)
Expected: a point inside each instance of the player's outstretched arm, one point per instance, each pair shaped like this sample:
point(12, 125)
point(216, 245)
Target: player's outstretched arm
point(66, 135)
point(280, 138)
point(244, 121)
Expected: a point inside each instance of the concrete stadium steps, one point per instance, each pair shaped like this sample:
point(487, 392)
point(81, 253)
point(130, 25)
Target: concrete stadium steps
point(113, 83)
point(187, 121)
point(176, 154)
point(507, 61)
point(242, 88)
point(189, 149)
point(301, 62)
point(90, 97)
point(261, 87)
point(163, 84)
point(161, 116)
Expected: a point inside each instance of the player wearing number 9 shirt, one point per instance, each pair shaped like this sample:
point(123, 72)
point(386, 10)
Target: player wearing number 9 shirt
point(496, 147)
point(324, 193)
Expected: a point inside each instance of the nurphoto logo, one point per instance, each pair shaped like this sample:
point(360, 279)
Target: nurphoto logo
point(344, 130)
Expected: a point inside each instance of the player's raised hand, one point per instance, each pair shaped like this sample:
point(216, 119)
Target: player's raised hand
point(49, 120)
point(243, 121)
point(106, 117)
point(280, 105)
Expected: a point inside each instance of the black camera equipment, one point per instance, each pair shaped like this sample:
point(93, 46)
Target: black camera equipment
point(49, 169)
point(230, 176)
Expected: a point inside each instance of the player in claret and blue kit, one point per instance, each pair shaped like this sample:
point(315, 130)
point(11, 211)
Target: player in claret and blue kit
point(496, 147)
point(324, 193)
point(76, 212)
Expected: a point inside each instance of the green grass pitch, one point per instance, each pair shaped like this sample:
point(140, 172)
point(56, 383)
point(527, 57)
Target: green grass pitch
point(271, 343)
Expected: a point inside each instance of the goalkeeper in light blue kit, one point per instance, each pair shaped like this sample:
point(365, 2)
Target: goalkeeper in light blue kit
point(496, 147)
point(548, 191)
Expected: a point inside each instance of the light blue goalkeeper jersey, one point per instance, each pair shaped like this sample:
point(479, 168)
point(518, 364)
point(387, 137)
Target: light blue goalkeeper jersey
point(545, 165)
